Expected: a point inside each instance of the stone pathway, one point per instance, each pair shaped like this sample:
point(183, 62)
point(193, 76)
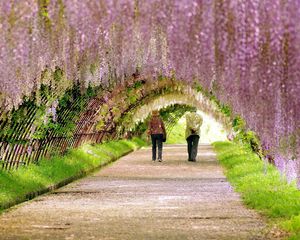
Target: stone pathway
point(135, 198)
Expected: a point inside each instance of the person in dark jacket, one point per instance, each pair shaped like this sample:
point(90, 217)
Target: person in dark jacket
point(157, 132)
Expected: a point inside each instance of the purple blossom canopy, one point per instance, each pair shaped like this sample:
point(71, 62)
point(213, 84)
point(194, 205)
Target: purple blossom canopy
point(247, 53)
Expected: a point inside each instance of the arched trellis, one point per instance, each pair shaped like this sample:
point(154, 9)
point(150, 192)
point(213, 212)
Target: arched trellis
point(176, 91)
point(173, 106)
point(189, 97)
point(94, 116)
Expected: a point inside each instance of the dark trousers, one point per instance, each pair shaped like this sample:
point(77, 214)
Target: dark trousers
point(157, 140)
point(192, 142)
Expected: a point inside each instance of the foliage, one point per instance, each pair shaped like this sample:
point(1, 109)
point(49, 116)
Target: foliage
point(173, 113)
point(224, 108)
point(177, 134)
point(262, 189)
point(249, 138)
point(59, 118)
point(141, 127)
point(241, 134)
point(125, 100)
point(293, 225)
point(238, 124)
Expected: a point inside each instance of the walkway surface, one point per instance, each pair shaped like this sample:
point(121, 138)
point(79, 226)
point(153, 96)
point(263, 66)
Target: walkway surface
point(135, 198)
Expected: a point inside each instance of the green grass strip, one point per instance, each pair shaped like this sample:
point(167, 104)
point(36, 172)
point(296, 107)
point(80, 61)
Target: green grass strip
point(27, 182)
point(261, 186)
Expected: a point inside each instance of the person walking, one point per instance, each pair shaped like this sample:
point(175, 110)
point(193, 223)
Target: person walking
point(157, 132)
point(192, 134)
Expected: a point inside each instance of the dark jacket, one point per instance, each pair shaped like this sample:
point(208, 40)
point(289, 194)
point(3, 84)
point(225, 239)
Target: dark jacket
point(156, 126)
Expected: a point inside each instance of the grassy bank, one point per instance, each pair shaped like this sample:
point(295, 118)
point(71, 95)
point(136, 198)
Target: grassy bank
point(27, 182)
point(261, 186)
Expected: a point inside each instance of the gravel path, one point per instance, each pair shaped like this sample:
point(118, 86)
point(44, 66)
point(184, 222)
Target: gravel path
point(135, 198)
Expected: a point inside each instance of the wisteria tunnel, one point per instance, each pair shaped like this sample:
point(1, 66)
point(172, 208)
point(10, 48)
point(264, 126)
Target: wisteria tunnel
point(75, 71)
point(79, 80)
